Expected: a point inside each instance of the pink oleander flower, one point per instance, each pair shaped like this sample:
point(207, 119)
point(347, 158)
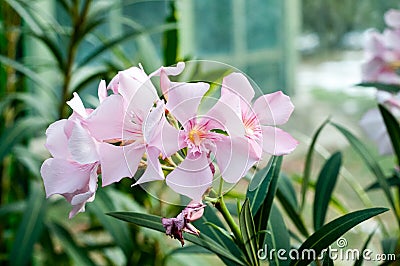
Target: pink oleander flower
point(73, 170)
point(373, 125)
point(236, 152)
point(253, 123)
point(174, 227)
point(126, 124)
point(383, 52)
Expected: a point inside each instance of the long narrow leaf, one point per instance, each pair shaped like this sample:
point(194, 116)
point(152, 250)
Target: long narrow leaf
point(248, 231)
point(203, 224)
point(154, 222)
point(325, 184)
point(393, 181)
point(292, 212)
point(26, 71)
point(118, 40)
point(23, 128)
point(259, 186)
point(30, 228)
point(262, 216)
point(381, 86)
point(76, 252)
point(118, 229)
point(393, 129)
point(360, 260)
point(308, 164)
point(278, 237)
point(370, 162)
point(330, 232)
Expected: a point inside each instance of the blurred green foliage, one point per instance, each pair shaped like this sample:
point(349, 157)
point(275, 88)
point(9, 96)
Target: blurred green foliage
point(332, 19)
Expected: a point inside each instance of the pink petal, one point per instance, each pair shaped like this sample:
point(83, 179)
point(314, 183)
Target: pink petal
point(82, 146)
point(61, 176)
point(78, 201)
point(169, 71)
point(102, 91)
point(375, 45)
point(153, 170)
point(374, 127)
point(151, 125)
point(226, 114)
point(169, 139)
point(76, 104)
point(164, 72)
point(277, 142)
point(191, 178)
point(118, 162)
point(371, 69)
point(57, 142)
point(273, 109)
point(392, 18)
point(234, 158)
point(239, 84)
point(184, 99)
point(138, 91)
point(106, 122)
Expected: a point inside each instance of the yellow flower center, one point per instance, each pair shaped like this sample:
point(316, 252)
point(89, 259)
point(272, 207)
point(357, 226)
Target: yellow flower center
point(395, 65)
point(196, 136)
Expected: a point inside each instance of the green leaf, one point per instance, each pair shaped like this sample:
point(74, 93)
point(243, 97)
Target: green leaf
point(24, 13)
point(170, 38)
point(381, 86)
point(259, 177)
point(120, 39)
point(24, 127)
point(154, 222)
point(327, 260)
point(278, 239)
point(190, 249)
point(211, 226)
point(291, 210)
point(370, 162)
point(54, 48)
point(13, 207)
point(393, 129)
point(26, 71)
point(325, 184)
point(248, 231)
point(259, 186)
point(266, 194)
point(360, 260)
point(308, 164)
point(330, 232)
point(393, 181)
point(81, 83)
point(30, 228)
point(76, 252)
point(117, 229)
point(285, 186)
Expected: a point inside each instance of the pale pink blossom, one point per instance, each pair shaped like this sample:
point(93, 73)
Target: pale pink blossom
point(251, 126)
point(126, 126)
point(382, 51)
point(72, 172)
point(373, 125)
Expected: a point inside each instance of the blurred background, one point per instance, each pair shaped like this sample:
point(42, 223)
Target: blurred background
point(310, 49)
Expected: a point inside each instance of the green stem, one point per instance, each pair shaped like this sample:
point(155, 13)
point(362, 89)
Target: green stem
point(220, 205)
point(169, 168)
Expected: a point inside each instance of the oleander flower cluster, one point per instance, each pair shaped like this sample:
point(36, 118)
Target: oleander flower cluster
point(167, 134)
point(382, 66)
point(382, 63)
